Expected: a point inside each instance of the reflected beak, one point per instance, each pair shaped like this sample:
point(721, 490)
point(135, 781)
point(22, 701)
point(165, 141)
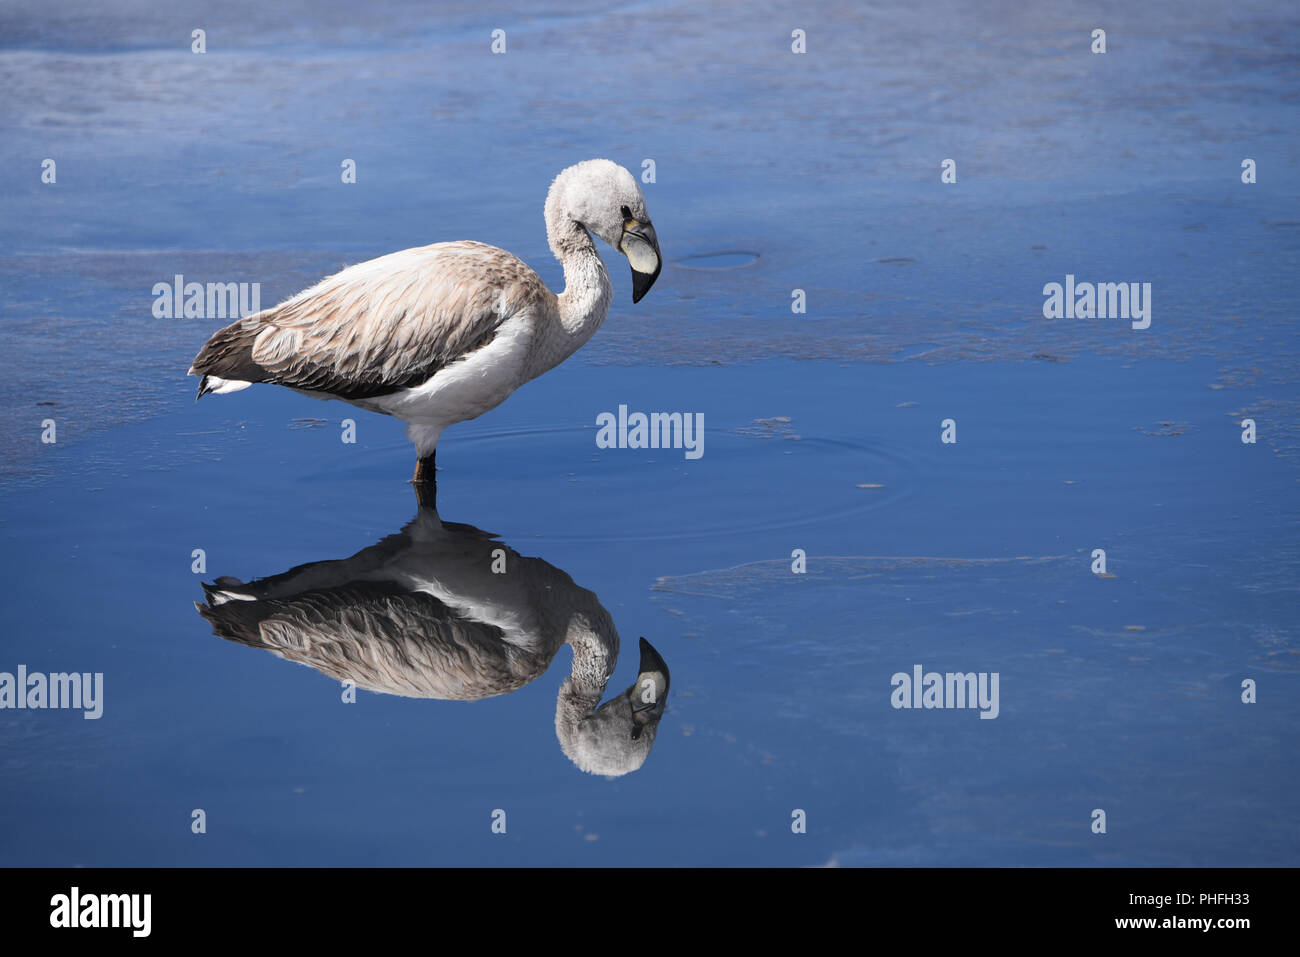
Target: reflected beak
point(650, 693)
point(641, 247)
point(652, 662)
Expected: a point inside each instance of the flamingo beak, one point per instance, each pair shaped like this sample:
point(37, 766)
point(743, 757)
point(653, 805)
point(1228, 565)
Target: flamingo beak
point(641, 247)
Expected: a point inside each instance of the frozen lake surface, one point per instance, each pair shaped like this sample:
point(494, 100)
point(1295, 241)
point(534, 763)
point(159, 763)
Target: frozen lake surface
point(774, 172)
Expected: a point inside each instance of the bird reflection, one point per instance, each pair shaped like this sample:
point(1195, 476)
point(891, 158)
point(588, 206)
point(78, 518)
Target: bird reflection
point(444, 610)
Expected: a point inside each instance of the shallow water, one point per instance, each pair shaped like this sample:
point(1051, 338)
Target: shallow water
point(822, 432)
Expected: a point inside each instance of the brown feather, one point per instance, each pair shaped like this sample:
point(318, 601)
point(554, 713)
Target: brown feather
point(381, 325)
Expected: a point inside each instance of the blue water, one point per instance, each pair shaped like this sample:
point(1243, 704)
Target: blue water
point(775, 172)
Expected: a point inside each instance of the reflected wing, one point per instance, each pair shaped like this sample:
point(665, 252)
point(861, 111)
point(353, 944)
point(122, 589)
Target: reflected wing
point(382, 637)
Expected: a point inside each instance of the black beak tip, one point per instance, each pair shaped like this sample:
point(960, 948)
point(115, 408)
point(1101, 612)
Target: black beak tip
point(641, 283)
point(651, 660)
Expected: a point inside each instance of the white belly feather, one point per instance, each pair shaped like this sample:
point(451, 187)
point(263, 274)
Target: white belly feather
point(466, 389)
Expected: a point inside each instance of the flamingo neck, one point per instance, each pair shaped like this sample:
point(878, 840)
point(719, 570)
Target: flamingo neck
point(587, 291)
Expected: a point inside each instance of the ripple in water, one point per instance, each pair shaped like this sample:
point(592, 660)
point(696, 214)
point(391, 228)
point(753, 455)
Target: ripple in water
point(750, 479)
point(731, 259)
